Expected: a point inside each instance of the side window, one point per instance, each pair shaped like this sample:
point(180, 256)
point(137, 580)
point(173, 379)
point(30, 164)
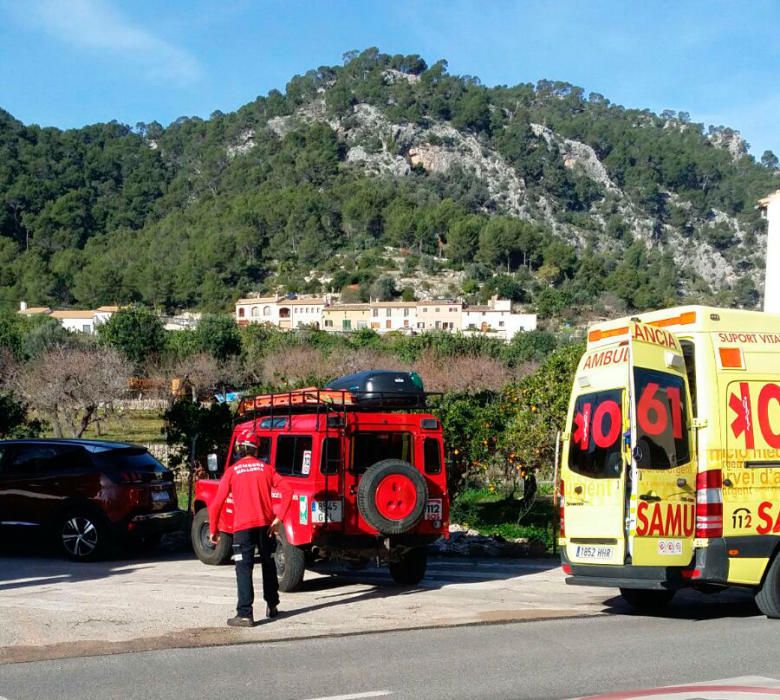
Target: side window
point(330, 459)
point(69, 459)
point(432, 456)
point(264, 449)
point(293, 455)
point(34, 459)
point(689, 354)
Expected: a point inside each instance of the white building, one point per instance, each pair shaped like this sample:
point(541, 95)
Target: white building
point(393, 316)
point(771, 207)
point(257, 310)
point(77, 321)
point(305, 312)
point(497, 320)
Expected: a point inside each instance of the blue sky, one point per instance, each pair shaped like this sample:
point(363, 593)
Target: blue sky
point(68, 63)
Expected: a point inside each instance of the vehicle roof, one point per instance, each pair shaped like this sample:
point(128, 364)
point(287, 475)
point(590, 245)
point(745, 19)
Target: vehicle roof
point(90, 445)
point(696, 319)
point(308, 422)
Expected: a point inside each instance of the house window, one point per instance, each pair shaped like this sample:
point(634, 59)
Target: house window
point(500, 324)
point(453, 308)
point(284, 312)
point(362, 324)
point(387, 312)
point(388, 323)
point(425, 311)
point(421, 324)
point(266, 311)
point(346, 325)
point(86, 328)
point(241, 312)
point(406, 323)
point(328, 323)
point(375, 312)
point(437, 310)
point(438, 325)
point(406, 312)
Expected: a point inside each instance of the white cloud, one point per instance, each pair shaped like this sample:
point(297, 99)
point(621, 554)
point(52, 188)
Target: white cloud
point(95, 25)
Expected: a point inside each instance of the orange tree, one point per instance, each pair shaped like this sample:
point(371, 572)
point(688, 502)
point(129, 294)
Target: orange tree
point(536, 410)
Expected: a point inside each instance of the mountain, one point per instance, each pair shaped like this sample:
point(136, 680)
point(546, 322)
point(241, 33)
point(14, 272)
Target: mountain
point(394, 175)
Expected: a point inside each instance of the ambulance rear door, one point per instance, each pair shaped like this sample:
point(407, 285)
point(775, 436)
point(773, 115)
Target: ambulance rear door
point(662, 478)
point(594, 458)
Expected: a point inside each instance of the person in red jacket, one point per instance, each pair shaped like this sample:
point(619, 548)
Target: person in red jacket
point(260, 501)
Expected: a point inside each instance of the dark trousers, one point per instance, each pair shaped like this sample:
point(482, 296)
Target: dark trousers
point(244, 543)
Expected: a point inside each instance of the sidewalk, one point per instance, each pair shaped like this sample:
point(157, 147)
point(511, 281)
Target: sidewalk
point(50, 608)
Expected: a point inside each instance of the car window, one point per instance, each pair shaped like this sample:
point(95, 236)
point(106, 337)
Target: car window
point(432, 456)
point(370, 447)
point(293, 455)
point(330, 460)
point(33, 459)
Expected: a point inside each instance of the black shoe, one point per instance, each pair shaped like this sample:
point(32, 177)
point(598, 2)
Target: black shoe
point(239, 621)
point(271, 611)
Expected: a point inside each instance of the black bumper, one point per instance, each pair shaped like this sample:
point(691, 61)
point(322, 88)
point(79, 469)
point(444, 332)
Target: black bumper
point(156, 523)
point(709, 566)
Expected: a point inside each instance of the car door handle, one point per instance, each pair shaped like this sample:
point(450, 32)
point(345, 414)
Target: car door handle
point(650, 497)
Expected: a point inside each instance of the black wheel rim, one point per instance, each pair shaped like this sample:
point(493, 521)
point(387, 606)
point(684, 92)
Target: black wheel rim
point(79, 536)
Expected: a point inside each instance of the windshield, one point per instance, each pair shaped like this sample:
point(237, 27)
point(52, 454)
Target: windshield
point(662, 420)
point(594, 449)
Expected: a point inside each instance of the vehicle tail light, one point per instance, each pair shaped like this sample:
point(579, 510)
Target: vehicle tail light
point(709, 503)
point(131, 478)
point(561, 508)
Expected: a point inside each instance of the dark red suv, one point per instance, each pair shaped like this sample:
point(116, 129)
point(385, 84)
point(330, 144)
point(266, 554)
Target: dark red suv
point(85, 494)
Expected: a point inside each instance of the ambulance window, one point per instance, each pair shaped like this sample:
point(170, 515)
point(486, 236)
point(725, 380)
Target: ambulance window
point(293, 455)
point(330, 460)
point(662, 420)
point(370, 447)
point(432, 456)
point(596, 431)
point(688, 349)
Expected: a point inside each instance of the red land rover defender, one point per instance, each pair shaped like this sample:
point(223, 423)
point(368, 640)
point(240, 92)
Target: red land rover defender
point(366, 468)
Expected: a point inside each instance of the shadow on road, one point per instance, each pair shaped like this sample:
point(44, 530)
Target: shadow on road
point(694, 606)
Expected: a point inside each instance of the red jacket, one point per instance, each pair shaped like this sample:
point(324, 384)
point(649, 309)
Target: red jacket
point(251, 481)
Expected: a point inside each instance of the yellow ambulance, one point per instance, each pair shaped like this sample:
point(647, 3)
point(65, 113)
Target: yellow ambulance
point(670, 462)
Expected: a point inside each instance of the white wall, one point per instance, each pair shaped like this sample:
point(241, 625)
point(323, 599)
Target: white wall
point(772, 283)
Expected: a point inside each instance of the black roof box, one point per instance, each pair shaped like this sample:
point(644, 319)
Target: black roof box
point(379, 388)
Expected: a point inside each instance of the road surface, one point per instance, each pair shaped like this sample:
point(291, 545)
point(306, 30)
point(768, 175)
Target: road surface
point(700, 640)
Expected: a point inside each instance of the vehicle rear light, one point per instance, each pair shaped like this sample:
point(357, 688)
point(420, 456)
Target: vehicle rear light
point(709, 503)
point(566, 568)
point(131, 477)
point(691, 573)
point(561, 508)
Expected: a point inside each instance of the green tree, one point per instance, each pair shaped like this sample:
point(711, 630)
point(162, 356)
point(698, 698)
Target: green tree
point(218, 335)
point(136, 331)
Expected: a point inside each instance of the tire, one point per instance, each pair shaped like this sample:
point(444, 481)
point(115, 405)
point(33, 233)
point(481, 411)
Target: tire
point(82, 534)
point(391, 496)
point(290, 564)
point(768, 596)
point(645, 599)
point(410, 569)
point(204, 550)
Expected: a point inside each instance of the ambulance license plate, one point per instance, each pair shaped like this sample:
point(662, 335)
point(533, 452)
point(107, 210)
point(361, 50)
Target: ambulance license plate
point(160, 496)
point(594, 552)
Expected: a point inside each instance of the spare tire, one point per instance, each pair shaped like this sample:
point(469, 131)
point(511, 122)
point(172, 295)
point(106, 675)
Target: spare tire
point(391, 496)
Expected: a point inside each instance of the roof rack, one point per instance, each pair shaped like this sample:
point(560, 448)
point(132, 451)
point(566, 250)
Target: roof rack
point(314, 400)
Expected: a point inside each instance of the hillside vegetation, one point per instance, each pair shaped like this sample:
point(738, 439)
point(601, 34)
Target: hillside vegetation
point(387, 173)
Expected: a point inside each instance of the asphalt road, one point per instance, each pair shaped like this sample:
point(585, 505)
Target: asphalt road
point(703, 641)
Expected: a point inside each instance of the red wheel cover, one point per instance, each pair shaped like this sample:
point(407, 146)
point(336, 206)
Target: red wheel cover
point(395, 497)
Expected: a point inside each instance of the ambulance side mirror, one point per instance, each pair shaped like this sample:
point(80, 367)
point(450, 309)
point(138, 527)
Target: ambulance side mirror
point(212, 463)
